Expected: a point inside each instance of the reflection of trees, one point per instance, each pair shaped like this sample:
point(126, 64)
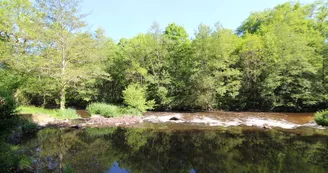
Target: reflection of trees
point(275, 151)
point(146, 150)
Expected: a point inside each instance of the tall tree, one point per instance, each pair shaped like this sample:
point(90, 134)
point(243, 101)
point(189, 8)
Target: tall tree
point(69, 55)
point(213, 79)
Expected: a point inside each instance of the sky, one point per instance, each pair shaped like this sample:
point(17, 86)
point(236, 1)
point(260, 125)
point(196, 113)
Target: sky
point(128, 18)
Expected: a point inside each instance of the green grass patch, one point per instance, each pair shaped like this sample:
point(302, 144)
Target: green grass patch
point(55, 113)
point(321, 117)
point(108, 110)
point(36, 110)
point(67, 114)
point(104, 110)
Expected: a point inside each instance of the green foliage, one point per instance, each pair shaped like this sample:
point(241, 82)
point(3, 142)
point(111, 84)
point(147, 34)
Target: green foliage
point(176, 32)
point(7, 105)
point(36, 110)
point(7, 112)
point(135, 97)
point(104, 109)
point(276, 61)
point(68, 169)
point(12, 159)
point(67, 114)
point(108, 110)
point(321, 117)
point(131, 111)
point(29, 127)
point(56, 113)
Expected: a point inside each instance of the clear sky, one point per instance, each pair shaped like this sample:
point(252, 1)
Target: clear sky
point(127, 18)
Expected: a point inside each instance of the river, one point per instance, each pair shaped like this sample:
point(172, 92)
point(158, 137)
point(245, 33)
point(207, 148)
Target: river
point(184, 147)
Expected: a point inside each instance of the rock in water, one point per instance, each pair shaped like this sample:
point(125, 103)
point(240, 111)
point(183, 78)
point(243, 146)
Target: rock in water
point(174, 119)
point(266, 126)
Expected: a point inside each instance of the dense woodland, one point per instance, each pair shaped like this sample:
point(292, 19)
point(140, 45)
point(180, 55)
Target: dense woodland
point(275, 61)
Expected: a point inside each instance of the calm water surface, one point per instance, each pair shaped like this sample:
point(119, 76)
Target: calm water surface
point(177, 148)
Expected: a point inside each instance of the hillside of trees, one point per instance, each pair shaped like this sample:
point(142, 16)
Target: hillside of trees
point(275, 61)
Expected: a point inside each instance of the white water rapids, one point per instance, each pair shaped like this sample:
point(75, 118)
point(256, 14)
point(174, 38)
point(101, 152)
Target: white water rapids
point(221, 119)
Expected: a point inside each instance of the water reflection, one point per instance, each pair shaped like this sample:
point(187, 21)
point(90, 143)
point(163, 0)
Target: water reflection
point(140, 150)
point(116, 169)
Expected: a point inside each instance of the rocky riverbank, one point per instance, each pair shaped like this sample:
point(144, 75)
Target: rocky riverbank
point(223, 119)
point(94, 121)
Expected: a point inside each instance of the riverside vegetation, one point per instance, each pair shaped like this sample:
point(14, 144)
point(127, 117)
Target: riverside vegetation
point(275, 61)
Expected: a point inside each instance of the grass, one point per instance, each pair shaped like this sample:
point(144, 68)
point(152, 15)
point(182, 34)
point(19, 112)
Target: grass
point(55, 113)
point(108, 110)
point(321, 117)
point(105, 110)
point(36, 110)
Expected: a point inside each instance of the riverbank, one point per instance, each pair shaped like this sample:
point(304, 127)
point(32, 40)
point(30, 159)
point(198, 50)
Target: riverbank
point(224, 119)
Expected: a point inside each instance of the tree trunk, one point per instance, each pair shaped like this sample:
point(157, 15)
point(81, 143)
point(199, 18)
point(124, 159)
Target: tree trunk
point(62, 98)
point(44, 101)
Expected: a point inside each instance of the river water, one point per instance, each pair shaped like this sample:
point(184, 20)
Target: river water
point(227, 119)
point(184, 147)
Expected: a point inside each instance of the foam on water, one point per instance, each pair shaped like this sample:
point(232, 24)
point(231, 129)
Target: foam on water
point(219, 121)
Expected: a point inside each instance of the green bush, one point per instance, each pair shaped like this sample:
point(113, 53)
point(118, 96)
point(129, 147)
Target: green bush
point(135, 97)
point(29, 127)
point(7, 105)
point(7, 112)
point(104, 109)
point(67, 114)
point(108, 110)
point(12, 159)
point(321, 117)
point(131, 111)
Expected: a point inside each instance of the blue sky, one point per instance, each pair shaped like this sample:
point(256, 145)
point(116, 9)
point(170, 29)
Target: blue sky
point(127, 18)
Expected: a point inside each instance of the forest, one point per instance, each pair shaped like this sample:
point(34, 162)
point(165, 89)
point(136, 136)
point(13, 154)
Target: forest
point(275, 61)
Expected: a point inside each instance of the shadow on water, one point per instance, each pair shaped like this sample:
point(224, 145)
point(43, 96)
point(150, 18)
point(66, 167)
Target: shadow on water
point(138, 150)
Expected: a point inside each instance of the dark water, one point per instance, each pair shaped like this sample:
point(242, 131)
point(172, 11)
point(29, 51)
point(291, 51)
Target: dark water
point(170, 150)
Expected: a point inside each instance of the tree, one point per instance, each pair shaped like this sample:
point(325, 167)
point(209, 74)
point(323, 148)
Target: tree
point(286, 58)
point(213, 79)
point(135, 97)
point(179, 64)
point(65, 53)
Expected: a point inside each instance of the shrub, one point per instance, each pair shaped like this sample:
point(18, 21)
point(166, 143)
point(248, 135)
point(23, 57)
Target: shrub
point(104, 109)
point(7, 105)
point(11, 158)
point(67, 114)
point(321, 117)
point(131, 111)
point(29, 127)
point(7, 112)
point(135, 97)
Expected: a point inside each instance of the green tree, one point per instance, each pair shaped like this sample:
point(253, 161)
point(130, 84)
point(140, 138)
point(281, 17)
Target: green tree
point(67, 55)
point(213, 79)
point(135, 97)
point(284, 67)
